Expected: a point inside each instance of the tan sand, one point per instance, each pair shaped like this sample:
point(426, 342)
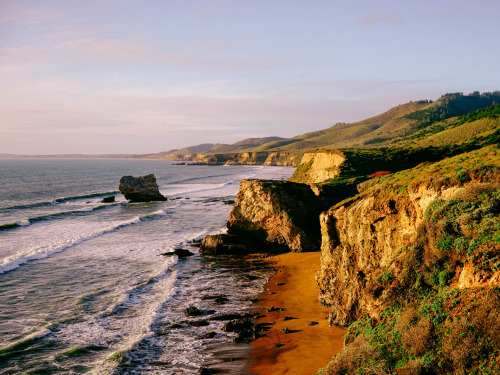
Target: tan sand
point(307, 348)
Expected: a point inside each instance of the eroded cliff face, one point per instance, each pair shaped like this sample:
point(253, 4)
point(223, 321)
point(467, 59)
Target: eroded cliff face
point(284, 159)
point(241, 158)
point(318, 166)
point(281, 213)
point(362, 237)
point(368, 241)
point(278, 213)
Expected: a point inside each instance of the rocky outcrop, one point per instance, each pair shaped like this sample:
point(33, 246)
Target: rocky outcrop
point(140, 189)
point(222, 244)
point(318, 166)
point(280, 214)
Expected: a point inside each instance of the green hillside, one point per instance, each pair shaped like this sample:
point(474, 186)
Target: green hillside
point(398, 125)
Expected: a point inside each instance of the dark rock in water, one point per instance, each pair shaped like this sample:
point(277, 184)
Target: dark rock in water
point(313, 323)
point(249, 277)
point(288, 318)
point(280, 284)
point(193, 311)
point(245, 329)
point(140, 189)
point(238, 325)
point(278, 345)
point(207, 371)
point(109, 199)
point(198, 323)
point(181, 253)
point(222, 244)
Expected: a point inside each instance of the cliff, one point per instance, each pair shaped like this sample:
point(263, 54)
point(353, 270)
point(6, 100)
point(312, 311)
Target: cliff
point(412, 265)
point(318, 166)
point(241, 158)
point(280, 213)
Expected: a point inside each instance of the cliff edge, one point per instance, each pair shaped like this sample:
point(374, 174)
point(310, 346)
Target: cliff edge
point(412, 266)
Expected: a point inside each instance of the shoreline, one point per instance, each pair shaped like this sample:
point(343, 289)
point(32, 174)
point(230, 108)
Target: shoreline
point(307, 346)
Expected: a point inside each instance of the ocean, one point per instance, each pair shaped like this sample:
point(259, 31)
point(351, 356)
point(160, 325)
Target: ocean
point(84, 287)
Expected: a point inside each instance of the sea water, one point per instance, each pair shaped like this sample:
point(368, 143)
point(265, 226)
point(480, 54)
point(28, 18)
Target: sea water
point(84, 287)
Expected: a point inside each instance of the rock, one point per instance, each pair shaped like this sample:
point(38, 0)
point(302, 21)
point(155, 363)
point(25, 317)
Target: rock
point(198, 323)
point(207, 371)
point(109, 199)
point(288, 318)
point(278, 345)
point(220, 300)
point(222, 244)
point(193, 311)
point(140, 189)
point(313, 323)
point(238, 325)
point(245, 329)
point(275, 309)
point(285, 331)
point(280, 214)
point(181, 253)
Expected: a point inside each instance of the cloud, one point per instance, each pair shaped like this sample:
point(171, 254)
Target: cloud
point(12, 13)
point(373, 20)
point(98, 49)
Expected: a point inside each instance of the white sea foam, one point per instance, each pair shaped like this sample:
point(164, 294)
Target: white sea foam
point(14, 261)
point(24, 223)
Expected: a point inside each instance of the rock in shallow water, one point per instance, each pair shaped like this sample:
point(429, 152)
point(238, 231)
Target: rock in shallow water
point(140, 189)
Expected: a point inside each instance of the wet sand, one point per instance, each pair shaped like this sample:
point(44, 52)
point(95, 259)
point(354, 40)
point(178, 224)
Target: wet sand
point(306, 348)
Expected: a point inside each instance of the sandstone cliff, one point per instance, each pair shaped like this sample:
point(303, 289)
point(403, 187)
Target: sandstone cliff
point(277, 213)
point(364, 236)
point(318, 166)
point(241, 158)
point(412, 266)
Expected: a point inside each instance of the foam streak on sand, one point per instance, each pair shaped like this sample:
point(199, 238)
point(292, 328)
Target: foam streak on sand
point(306, 348)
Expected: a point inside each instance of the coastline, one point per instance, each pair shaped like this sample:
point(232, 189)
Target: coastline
point(306, 348)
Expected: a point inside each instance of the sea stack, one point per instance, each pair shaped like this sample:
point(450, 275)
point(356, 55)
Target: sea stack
point(140, 189)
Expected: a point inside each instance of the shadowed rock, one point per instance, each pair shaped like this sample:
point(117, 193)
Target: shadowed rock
point(222, 244)
point(140, 189)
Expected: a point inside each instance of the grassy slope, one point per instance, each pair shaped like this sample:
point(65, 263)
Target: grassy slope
point(431, 143)
point(392, 127)
point(429, 325)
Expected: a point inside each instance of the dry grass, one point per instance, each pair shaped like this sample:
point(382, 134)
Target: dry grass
point(359, 357)
point(417, 338)
point(460, 345)
point(414, 367)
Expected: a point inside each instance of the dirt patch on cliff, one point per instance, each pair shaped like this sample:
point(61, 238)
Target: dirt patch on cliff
point(300, 340)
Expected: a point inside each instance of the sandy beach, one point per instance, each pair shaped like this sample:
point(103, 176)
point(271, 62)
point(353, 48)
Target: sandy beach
point(293, 293)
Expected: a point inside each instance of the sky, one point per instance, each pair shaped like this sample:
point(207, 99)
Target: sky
point(144, 76)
